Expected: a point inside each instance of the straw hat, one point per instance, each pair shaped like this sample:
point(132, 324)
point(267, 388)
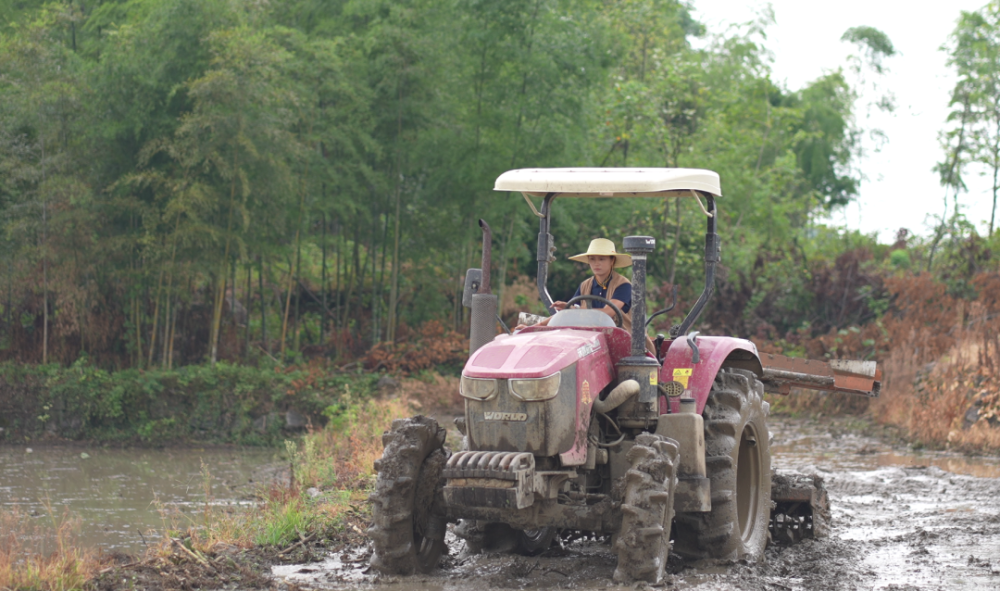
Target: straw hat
point(604, 247)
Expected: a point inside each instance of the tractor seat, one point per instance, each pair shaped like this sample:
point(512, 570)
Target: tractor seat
point(581, 317)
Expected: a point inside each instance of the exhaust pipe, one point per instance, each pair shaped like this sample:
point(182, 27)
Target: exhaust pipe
point(639, 247)
point(484, 304)
point(637, 366)
point(487, 259)
point(620, 394)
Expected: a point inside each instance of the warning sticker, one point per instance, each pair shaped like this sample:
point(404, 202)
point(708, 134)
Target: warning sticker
point(585, 393)
point(682, 375)
point(652, 378)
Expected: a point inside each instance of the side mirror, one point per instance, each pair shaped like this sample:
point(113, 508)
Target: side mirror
point(473, 279)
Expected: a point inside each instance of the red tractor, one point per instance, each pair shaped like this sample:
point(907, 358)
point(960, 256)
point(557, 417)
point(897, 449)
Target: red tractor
point(573, 426)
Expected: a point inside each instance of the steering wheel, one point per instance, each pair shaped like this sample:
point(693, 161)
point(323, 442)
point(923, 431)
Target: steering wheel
point(619, 317)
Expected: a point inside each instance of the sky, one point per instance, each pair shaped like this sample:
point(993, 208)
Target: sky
point(900, 188)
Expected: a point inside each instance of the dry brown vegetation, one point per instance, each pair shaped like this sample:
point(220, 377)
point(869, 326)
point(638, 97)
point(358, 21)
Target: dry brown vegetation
point(34, 557)
point(940, 357)
point(942, 377)
point(429, 346)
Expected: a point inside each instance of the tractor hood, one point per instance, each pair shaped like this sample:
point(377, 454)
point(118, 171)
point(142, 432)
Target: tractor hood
point(533, 354)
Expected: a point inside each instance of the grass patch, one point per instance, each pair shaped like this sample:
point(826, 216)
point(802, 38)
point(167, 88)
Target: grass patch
point(34, 557)
point(331, 474)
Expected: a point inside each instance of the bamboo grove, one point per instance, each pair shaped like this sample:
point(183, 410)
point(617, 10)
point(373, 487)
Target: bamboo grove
point(190, 180)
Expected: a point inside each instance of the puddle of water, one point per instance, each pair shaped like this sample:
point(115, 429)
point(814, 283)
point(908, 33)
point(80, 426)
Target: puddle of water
point(123, 498)
point(968, 466)
point(857, 452)
point(332, 569)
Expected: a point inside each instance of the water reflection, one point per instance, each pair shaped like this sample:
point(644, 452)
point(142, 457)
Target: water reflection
point(125, 497)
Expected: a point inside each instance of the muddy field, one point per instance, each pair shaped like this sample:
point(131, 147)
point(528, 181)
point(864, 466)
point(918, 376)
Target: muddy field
point(901, 521)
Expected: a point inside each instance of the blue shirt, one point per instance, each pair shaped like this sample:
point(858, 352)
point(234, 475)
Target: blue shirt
point(623, 294)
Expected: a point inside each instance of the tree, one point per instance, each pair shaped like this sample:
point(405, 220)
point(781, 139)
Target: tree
point(974, 52)
point(973, 136)
point(338, 155)
point(44, 92)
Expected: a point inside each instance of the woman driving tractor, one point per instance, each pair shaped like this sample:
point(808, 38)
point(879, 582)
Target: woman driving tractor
point(606, 283)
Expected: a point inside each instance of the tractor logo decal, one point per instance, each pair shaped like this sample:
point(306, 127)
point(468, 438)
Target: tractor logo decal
point(505, 416)
point(587, 349)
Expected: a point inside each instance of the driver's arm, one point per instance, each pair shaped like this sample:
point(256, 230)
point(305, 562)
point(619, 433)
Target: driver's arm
point(557, 306)
point(611, 311)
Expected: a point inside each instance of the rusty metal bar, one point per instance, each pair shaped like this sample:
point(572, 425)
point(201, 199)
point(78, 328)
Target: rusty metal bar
point(781, 374)
point(824, 382)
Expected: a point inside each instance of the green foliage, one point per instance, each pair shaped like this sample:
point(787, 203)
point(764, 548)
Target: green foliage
point(223, 403)
point(284, 524)
point(310, 466)
point(207, 179)
point(875, 44)
point(900, 259)
point(972, 139)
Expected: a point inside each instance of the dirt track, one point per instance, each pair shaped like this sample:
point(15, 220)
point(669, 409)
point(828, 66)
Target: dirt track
point(900, 522)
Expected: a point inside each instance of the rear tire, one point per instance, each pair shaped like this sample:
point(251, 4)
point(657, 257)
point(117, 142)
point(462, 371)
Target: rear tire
point(409, 521)
point(738, 460)
point(643, 543)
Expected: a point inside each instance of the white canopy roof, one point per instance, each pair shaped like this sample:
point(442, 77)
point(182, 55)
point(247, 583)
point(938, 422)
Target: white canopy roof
point(609, 182)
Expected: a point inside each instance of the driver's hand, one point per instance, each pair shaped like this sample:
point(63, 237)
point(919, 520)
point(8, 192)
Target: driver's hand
point(559, 306)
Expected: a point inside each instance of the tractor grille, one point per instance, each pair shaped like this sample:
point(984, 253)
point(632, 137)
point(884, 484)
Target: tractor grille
point(490, 479)
point(489, 464)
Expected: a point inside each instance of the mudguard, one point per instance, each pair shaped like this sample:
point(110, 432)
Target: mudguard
point(593, 373)
point(678, 365)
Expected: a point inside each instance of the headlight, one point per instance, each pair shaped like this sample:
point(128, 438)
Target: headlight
point(478, 388)
point(536, 388)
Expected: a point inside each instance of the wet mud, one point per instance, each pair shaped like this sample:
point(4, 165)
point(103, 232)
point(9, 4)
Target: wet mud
point(900, 521)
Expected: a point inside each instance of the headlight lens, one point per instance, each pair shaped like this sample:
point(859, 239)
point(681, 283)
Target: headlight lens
point(536, 388)
point(478, 388)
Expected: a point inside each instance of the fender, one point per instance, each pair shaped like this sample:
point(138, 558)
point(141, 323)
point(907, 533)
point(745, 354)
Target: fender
point(594, 372)
point(715, 353)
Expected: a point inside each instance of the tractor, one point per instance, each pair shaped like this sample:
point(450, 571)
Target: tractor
point(575, 427)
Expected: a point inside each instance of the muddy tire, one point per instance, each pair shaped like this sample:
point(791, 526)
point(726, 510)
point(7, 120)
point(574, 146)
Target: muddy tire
point(408, 514)
point(532, 542)
point(738, 460)
point(643, 543)
point(481, 536)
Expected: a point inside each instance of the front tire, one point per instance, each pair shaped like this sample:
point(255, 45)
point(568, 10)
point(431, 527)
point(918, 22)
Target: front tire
point(408, 514)
point(643, 543)
point(738, 460)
